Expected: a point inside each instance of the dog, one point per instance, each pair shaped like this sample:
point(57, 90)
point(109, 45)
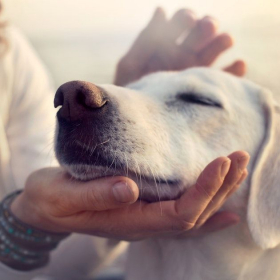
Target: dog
point(161, 131)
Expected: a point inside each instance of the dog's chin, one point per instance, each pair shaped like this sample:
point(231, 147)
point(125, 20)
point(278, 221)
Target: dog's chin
point(150, 190)
point(85, 172)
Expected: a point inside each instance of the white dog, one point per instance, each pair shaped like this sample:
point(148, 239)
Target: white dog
point(162, 131)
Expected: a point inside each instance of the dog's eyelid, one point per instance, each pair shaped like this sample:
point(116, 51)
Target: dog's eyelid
point(199, 99)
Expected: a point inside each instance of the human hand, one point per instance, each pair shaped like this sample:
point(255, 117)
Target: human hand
point(53, 201)
point(156, 48)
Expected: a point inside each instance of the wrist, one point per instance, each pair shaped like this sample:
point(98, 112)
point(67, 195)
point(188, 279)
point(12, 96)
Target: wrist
point(18, 229)
point(25, 211)
point(30, 214)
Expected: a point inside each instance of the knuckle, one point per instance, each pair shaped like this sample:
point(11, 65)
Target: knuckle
point(93, 199)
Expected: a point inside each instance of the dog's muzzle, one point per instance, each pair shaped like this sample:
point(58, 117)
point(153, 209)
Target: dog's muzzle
point(87, 118)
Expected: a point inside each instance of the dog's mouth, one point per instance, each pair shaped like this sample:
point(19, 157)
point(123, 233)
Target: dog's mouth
point(150, 186)
point(84, 165)
point(89, 154)
point(87, 172)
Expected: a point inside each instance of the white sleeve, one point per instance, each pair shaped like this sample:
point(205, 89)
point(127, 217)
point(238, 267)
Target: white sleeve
point(31, 119)
point(30, 129)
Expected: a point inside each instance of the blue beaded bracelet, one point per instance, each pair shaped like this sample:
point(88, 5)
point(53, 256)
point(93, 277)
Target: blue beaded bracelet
point(21, 244)
point(13, 226)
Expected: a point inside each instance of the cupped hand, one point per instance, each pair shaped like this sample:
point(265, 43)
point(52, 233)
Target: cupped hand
point(108, 207)
point(179, 43)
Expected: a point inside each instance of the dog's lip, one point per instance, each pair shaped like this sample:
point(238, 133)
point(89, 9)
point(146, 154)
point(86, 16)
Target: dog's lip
point(142, 183)
point(102, 171)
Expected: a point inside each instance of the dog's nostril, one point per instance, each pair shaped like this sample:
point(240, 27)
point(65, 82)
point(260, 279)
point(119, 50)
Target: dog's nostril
point(89, 99)
point(59, 98)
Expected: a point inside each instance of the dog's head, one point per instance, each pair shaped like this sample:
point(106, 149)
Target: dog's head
point(164, 129)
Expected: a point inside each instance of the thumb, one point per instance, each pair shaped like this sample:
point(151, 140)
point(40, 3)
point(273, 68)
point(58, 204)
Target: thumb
point(102, 194)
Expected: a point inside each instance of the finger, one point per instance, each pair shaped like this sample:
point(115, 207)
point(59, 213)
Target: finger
point(200, 35)
point(201, 194)
point(158, 16)
point(97, 195)
point(216, 47)
point(149, 219)
point(183, 20)
point(130, 67)
point(238, 68)
point(140, 48)
point(241, 180)
point(169, 216)
point(239, 162)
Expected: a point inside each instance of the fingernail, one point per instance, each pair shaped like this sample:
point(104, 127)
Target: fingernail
point(225, 168)
point(243, 162)
point(122, 192)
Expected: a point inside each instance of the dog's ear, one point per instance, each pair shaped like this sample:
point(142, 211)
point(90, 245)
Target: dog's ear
point(264, 199)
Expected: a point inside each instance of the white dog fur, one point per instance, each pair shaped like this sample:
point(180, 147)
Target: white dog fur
point(167, 137)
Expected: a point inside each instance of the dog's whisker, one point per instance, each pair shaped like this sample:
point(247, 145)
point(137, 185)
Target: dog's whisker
point(157, 187)
point(126, 165)
point(140, 177)
point(115, 165)
point(103, 142)
point(109, 167)
point(92, 150)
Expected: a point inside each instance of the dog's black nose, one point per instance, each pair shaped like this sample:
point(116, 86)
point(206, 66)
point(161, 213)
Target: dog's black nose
point(79, 98)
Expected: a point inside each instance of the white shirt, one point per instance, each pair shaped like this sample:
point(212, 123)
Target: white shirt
point(27, 121)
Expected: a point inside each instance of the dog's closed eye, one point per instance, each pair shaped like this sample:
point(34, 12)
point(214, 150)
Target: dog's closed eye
point(198, 99)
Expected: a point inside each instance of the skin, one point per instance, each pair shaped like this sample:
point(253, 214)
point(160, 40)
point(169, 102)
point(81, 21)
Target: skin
point(55, 202)
point(155, 49)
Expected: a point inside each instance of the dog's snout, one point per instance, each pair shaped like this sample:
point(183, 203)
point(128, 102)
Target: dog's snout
point(79, 98)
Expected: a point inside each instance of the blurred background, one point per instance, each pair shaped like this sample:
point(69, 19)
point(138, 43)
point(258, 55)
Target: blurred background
point(84, 39)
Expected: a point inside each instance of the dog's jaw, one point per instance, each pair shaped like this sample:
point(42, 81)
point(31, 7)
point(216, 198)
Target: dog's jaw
point(151, 189)
point(86, 172)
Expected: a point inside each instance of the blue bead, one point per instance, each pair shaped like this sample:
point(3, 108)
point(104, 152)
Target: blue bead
point(11, 230)
point(7, 250)
point(29, 231)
